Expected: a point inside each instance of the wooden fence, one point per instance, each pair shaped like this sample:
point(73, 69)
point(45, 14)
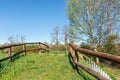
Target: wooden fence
point(24, 50)
point(74, 49)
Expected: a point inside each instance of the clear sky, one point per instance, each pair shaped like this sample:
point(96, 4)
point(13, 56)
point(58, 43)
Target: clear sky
point(33, 18)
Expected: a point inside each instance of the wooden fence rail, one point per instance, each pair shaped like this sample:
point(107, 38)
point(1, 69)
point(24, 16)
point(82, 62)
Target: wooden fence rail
point(75, 59)
point(9, 47)
point(97, 54)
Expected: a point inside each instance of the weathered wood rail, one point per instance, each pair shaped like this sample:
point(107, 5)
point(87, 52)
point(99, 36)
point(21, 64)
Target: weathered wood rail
point(24, 50)
point(74, 49)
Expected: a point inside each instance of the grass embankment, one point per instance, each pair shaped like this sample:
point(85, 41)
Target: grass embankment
point(113, 72)
point(41, 67)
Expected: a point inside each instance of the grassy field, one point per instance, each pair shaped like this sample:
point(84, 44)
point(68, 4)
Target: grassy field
point(42, 67)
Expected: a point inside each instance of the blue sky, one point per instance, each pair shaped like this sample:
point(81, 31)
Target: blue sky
point(33, 18)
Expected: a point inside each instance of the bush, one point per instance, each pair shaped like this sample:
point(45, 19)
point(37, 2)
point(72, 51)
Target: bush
point(20, 48)
point(17, 49)
point(32, 47)
point(110, 46)
point(60, 47)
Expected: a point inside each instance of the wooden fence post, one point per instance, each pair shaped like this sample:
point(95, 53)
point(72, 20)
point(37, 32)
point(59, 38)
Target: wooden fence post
point(75, 56)
point(77, 59)
point(24, 48)
point(97, 59)
point(39, 48)
point(10, 53)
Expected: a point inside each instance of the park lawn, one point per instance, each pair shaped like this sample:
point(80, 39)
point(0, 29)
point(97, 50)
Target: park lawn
point(3, 55)
point(47, 66)
point(41, 67)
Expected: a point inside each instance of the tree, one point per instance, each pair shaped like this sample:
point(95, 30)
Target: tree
point(11, 40)
point(16, 39)
point(65, 33)
point(55, 36)
point(110, 45)
point(94, 20)
point(22, 38)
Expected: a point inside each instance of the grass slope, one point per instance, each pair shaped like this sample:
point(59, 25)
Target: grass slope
point(41, 67)
point(50, 66)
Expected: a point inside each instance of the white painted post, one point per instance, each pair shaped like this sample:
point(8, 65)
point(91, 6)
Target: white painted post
point(97, 59)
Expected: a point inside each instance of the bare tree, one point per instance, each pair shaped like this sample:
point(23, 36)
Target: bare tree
point(66, 35)
point(55, 36)
point(16, 39)
point(11, 40)
point(22, 38)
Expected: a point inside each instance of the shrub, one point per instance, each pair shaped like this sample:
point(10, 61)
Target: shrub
point(60, 47)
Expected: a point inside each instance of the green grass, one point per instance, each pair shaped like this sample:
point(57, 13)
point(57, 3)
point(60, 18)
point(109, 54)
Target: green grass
point(3, 55)
point(113, 72)
point(42, 67)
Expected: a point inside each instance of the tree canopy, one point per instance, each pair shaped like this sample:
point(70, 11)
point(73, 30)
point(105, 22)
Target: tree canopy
point(93, 21)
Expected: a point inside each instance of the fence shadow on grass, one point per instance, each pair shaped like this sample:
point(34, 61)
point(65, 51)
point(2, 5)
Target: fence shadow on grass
point(70, 61)
point(80, 72)
point(17, 57)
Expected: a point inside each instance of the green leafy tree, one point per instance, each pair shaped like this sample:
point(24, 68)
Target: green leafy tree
point(94, 20)
point(110, 44)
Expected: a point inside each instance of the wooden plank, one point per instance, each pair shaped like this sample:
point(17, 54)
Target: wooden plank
point(90, 71)
point(33, 43)
point(36, 49)
point(24, 49)
point(3, 47)
point(1, 60)
point(20, 52)
point(45, 45)
point(33, 49)
point(98, 54)
point(6, 58)
point(12, 45)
